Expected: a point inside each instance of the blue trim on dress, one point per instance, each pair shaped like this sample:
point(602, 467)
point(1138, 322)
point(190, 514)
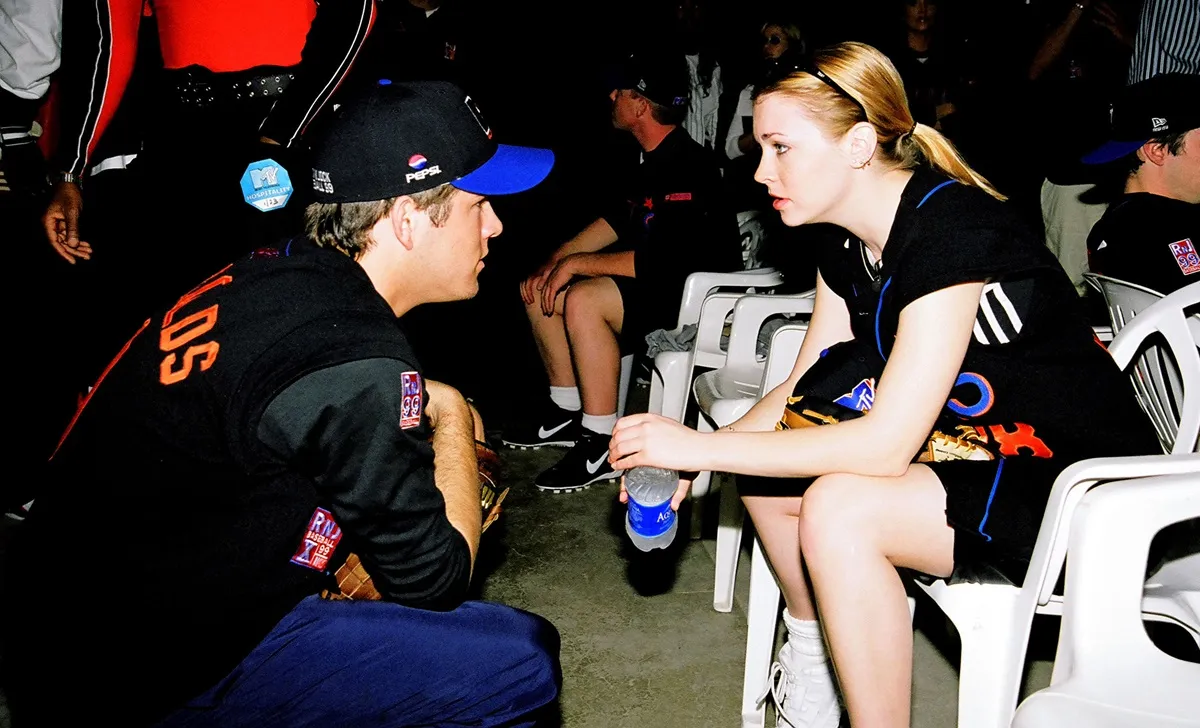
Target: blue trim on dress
point(935, 189)
point(991, 496)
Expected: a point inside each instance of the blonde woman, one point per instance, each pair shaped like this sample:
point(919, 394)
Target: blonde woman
point(948, 349)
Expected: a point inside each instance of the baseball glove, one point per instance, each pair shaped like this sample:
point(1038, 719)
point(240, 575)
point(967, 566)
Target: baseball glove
point(355, 583)
point(965, 444)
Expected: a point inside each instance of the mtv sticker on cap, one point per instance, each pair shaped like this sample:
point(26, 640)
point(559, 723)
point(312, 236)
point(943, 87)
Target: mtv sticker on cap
point(411, 402)
point(1186, 256)
point(266, 185)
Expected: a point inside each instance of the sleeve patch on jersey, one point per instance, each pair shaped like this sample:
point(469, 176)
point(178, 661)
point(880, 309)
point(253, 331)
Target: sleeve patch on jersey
point(1186, 257)
point(319, 542)
point(411, 404)
point(679, 197)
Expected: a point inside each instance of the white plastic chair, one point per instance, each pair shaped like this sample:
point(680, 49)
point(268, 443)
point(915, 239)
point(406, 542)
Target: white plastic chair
point(1107, 672)
point(708, 299)
point(1157, 376)
point(671, 378)
point(994, 620)
point(725, 394)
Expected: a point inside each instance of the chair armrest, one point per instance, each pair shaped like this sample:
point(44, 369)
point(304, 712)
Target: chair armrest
point(1049, 552)
point(781, 357)
point(711, 325)
point(749, 314)
point(699, 285)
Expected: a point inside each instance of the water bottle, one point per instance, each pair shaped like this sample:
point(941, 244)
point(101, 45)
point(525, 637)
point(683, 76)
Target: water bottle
point(650, 522)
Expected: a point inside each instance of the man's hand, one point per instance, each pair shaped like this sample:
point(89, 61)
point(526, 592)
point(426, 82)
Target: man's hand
point(532, 286)
point(61, 221)
point(559, 279)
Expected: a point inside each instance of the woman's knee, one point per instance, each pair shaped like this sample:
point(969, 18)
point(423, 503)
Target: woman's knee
point(834, 514)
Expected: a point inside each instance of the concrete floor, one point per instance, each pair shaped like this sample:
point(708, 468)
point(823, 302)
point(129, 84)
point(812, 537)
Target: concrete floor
point(641, 644)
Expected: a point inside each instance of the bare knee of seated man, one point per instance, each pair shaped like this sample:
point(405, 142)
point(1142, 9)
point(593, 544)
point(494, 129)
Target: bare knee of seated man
point(667, 219)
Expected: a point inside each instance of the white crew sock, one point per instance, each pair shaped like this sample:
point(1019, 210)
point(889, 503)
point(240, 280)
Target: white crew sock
point(566, 398)
point(805, 637)
point(602, 424)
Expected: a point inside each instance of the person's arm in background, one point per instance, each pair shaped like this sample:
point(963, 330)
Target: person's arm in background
point(335, 38)
point(30, 50)
point(1056, 40)
point(410, 508)
point(98, 54)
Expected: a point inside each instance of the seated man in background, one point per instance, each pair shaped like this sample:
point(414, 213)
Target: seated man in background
point(622, 276)
point(270, 423)
point(1150, 235)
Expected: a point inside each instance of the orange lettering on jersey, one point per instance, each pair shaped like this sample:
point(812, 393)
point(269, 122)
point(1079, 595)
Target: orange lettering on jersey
point(171, 338)
point(175, 334)
point(1011, 442)
point(206, 353)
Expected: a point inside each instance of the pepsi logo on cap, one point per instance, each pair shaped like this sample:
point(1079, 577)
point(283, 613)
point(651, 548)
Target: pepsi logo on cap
point(417, 161)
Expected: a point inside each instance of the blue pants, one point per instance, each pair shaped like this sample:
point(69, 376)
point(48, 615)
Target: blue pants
point(342, 663)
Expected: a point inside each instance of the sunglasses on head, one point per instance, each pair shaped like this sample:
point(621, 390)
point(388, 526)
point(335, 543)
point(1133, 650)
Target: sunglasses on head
point(780, 71)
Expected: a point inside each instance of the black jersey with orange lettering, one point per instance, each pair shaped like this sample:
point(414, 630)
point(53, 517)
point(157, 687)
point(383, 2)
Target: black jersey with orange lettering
point(243, 443)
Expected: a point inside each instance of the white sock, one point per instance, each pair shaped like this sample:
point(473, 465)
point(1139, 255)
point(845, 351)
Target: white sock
point(602, 424)
point(567, 398)
point(805, 637)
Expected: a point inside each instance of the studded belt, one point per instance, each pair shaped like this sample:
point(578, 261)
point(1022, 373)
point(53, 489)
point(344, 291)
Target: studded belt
point(198, 88)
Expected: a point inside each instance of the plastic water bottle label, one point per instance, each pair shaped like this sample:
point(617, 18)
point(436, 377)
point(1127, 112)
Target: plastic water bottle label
point(650, 521)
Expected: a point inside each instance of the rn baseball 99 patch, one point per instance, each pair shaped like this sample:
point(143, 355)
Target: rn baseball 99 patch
point(411, 402)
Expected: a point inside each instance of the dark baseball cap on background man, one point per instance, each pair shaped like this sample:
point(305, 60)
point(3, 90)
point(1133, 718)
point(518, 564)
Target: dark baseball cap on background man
point(661, 77)
point(403, 138)
point(1169, 103)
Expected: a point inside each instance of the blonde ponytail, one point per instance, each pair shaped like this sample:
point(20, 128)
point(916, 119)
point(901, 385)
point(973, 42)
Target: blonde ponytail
point(941, 154)
point(864, 81)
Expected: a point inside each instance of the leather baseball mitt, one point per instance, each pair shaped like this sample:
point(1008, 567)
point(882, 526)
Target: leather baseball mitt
point(352, 578)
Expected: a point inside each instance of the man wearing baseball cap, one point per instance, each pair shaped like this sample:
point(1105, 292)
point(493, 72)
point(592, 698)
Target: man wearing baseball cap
point(251, 437)
point(1151, 235)
point(622, 276)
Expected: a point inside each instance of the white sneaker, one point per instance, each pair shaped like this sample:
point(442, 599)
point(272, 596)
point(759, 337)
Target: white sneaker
point(804, 697)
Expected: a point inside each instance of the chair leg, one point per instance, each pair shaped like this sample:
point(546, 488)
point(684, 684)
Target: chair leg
point(729, 542)
point(623, 383)
point(992, 663)
point(762, 612)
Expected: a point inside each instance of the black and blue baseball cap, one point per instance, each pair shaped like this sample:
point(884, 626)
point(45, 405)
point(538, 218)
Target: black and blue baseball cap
point(403, 138)
point(1165, 104)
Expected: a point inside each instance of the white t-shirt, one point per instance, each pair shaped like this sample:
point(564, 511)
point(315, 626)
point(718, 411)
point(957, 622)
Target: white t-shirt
point(745, 107)
point(701, 119)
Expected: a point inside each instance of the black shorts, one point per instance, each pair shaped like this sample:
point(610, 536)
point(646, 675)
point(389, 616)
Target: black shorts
point(644, 313)
point(994, 507)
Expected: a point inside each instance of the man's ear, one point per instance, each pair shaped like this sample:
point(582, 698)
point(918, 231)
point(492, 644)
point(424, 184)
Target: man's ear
point(861, 143)
point(1154, 152)
point(402, 217)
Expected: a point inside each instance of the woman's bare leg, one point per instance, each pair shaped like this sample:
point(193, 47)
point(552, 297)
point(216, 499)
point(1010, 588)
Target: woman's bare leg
point(854, 531)
point(777, 521)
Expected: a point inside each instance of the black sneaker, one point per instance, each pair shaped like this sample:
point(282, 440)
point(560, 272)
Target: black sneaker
point(554, 426)
point(584, 464)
